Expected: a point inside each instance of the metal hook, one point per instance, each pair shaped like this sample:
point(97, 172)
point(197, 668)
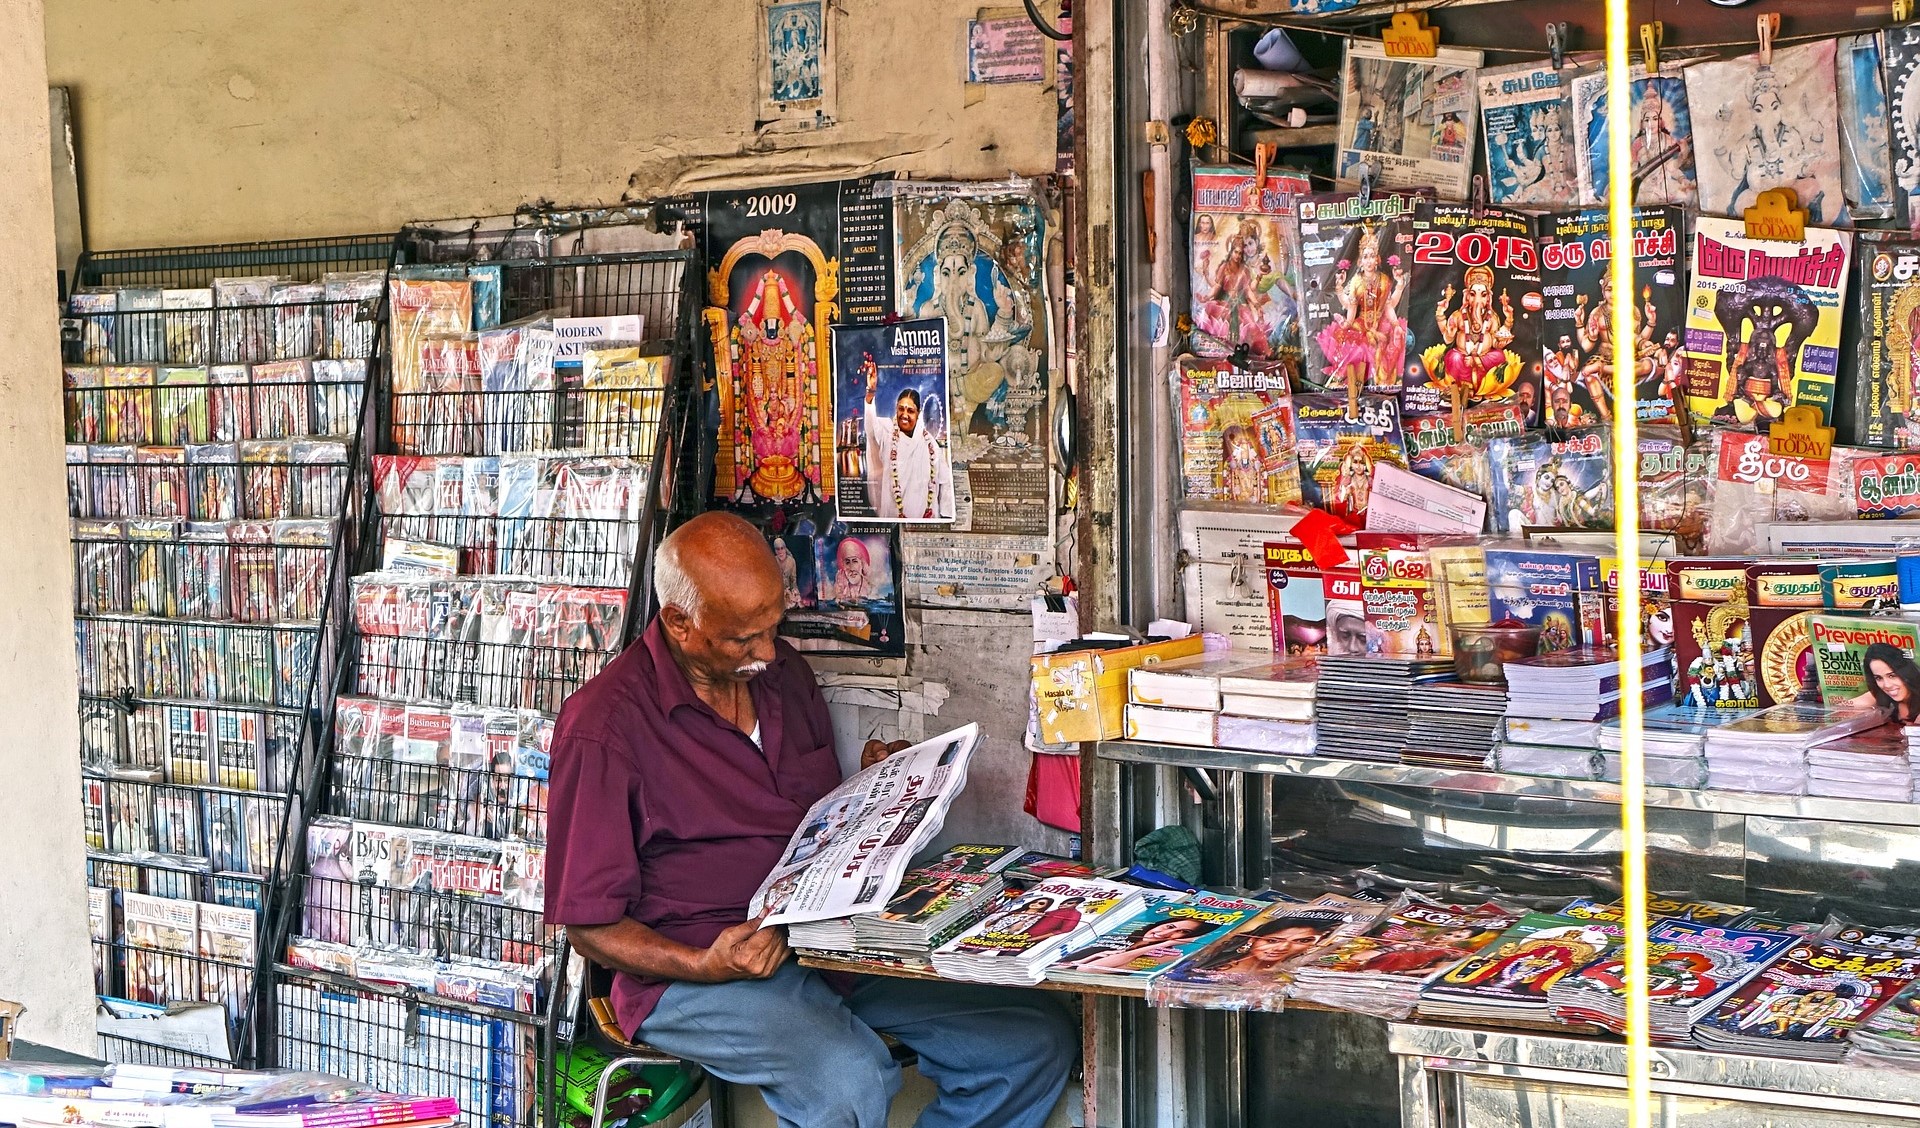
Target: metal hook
point(1557, 43)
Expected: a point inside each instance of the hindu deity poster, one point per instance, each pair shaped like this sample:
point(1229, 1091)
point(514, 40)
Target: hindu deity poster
point(1354, 260)
point(1663, 156)
point(1577, 334)
point(978, 263)
point(1529, 135)
point(1237, 440)
point(1758, 126)
point(1410, 121)
point(1338, 451)
point(1474, 311)
point(1763, 324)
point(778, 276)
point(1242, 265)
point(1886, 407)
point(890, 422)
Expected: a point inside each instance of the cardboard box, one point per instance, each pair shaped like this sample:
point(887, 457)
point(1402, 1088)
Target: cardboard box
point(1082, 694)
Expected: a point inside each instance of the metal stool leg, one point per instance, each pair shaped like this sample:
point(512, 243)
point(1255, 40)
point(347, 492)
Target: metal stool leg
point(606, 1077)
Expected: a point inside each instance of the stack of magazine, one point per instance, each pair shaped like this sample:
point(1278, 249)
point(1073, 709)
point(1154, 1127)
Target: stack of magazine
point(1692, 967)
point(1871, 764)
point(1381, 972)
point(1363, 702)
point(1675, 738)
point(1168, 928)
point(1768, 750)
point(1891, 1034)
point(1251, 967)
point(1582, 683)
point(1508, 980)
point(934, 902)
point(1805, 1003)
point(1015, 945)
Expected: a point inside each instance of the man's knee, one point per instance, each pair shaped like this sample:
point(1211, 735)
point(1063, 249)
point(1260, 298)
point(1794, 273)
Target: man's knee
point(841, 1087)
point(1056, 1041)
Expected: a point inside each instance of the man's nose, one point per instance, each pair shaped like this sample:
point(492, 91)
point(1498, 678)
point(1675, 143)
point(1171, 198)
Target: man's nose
point(763, 648)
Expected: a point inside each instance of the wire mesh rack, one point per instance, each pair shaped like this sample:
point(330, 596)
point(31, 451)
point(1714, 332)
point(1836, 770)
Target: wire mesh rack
point(216, 396)
point(521, 479)
point(176, 959)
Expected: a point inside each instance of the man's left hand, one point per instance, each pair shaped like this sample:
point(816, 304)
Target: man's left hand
point(877, 750)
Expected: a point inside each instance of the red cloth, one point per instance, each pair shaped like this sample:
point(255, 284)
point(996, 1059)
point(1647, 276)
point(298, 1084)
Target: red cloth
point(1053, 791)
point(661, 811)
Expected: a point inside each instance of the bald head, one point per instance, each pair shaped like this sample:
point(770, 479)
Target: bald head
point(721, 597)
point(715, 561)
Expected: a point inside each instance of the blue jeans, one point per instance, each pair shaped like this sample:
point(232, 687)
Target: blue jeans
point(1000, 1056)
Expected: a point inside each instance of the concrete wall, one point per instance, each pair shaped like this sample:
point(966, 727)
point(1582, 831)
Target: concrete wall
point(205, 120)
point(44, 954)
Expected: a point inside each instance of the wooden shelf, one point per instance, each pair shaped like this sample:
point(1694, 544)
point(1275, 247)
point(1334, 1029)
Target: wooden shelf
point(862, 967)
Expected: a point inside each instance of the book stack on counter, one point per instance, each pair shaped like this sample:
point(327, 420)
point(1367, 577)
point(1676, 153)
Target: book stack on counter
point(1875, 763)
point(1808, 1001)
point(1229, 700)
point(1508, 980)
point(1015, 945)
point(1363, 705)
point(1269, 706)
point(1454, 724)
point(1168, 928)
point(1382, 971)
point(1693, 966)
point(933, 904)
point(1543, 747)
point(1177, 701)
point(1582, 684)
point(1767, 751)
point(1674, 737)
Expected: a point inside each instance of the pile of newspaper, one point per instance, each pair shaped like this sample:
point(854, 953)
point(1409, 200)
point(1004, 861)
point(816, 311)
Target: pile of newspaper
point(1015, 945)
point(853, 846)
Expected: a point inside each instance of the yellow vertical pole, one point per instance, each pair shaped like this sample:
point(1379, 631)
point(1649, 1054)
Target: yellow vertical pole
point(1626, 502)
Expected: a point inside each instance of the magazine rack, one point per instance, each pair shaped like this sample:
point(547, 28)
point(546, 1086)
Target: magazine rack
point(213, 466)
point(606, 459)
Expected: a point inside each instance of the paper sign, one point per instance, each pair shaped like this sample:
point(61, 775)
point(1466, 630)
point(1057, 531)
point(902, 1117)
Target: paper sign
point(1405, 502)
point(1004, 49)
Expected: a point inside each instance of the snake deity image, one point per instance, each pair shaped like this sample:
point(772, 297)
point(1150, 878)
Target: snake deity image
point(1759, 360)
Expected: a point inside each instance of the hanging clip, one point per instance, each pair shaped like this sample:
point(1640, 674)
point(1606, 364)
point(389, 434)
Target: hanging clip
point(1769, 25)
point(1366, 183)
point(1557, 43)
point(1478, 199)
point(1902, 10)
point(1651, 35)
point(1263, 155)
point(1408, 36)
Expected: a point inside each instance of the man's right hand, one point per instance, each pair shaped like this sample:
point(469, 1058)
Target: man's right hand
point(745, 951)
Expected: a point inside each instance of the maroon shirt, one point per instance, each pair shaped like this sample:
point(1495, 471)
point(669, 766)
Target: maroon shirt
point(662, 811)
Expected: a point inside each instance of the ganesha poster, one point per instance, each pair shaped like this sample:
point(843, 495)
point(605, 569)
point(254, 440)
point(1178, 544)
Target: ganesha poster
point(1474, 310)
point(975, 257)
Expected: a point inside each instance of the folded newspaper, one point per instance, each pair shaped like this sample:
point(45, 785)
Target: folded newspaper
point(855, 844)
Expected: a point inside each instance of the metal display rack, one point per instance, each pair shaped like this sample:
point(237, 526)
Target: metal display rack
point(368, 974)
point(213, 466)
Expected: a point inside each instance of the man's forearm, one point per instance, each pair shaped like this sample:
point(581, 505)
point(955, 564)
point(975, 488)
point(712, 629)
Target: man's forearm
point(632, 947)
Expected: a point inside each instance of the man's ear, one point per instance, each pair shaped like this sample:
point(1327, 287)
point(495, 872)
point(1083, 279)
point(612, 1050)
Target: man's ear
point(676, 622)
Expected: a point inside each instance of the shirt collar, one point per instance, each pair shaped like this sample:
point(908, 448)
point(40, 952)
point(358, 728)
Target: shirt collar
point(670, 685)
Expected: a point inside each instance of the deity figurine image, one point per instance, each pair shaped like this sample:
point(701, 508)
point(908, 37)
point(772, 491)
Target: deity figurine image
point(1473, 359)
point(1365, 343)
point(1241, 464)
point(1595, 329)
point(1758, 380)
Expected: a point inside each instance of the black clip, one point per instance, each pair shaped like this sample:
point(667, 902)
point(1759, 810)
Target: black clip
point(1557, 43)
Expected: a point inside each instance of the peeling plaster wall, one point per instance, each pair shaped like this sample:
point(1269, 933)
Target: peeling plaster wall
point(225, 120)
point(218, 120)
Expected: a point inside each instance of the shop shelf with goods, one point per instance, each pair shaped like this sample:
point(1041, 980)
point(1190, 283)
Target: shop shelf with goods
point(524, 467)
point(214, 400)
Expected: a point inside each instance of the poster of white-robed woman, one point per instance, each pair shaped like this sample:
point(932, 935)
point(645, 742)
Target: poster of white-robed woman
point(891, 440)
